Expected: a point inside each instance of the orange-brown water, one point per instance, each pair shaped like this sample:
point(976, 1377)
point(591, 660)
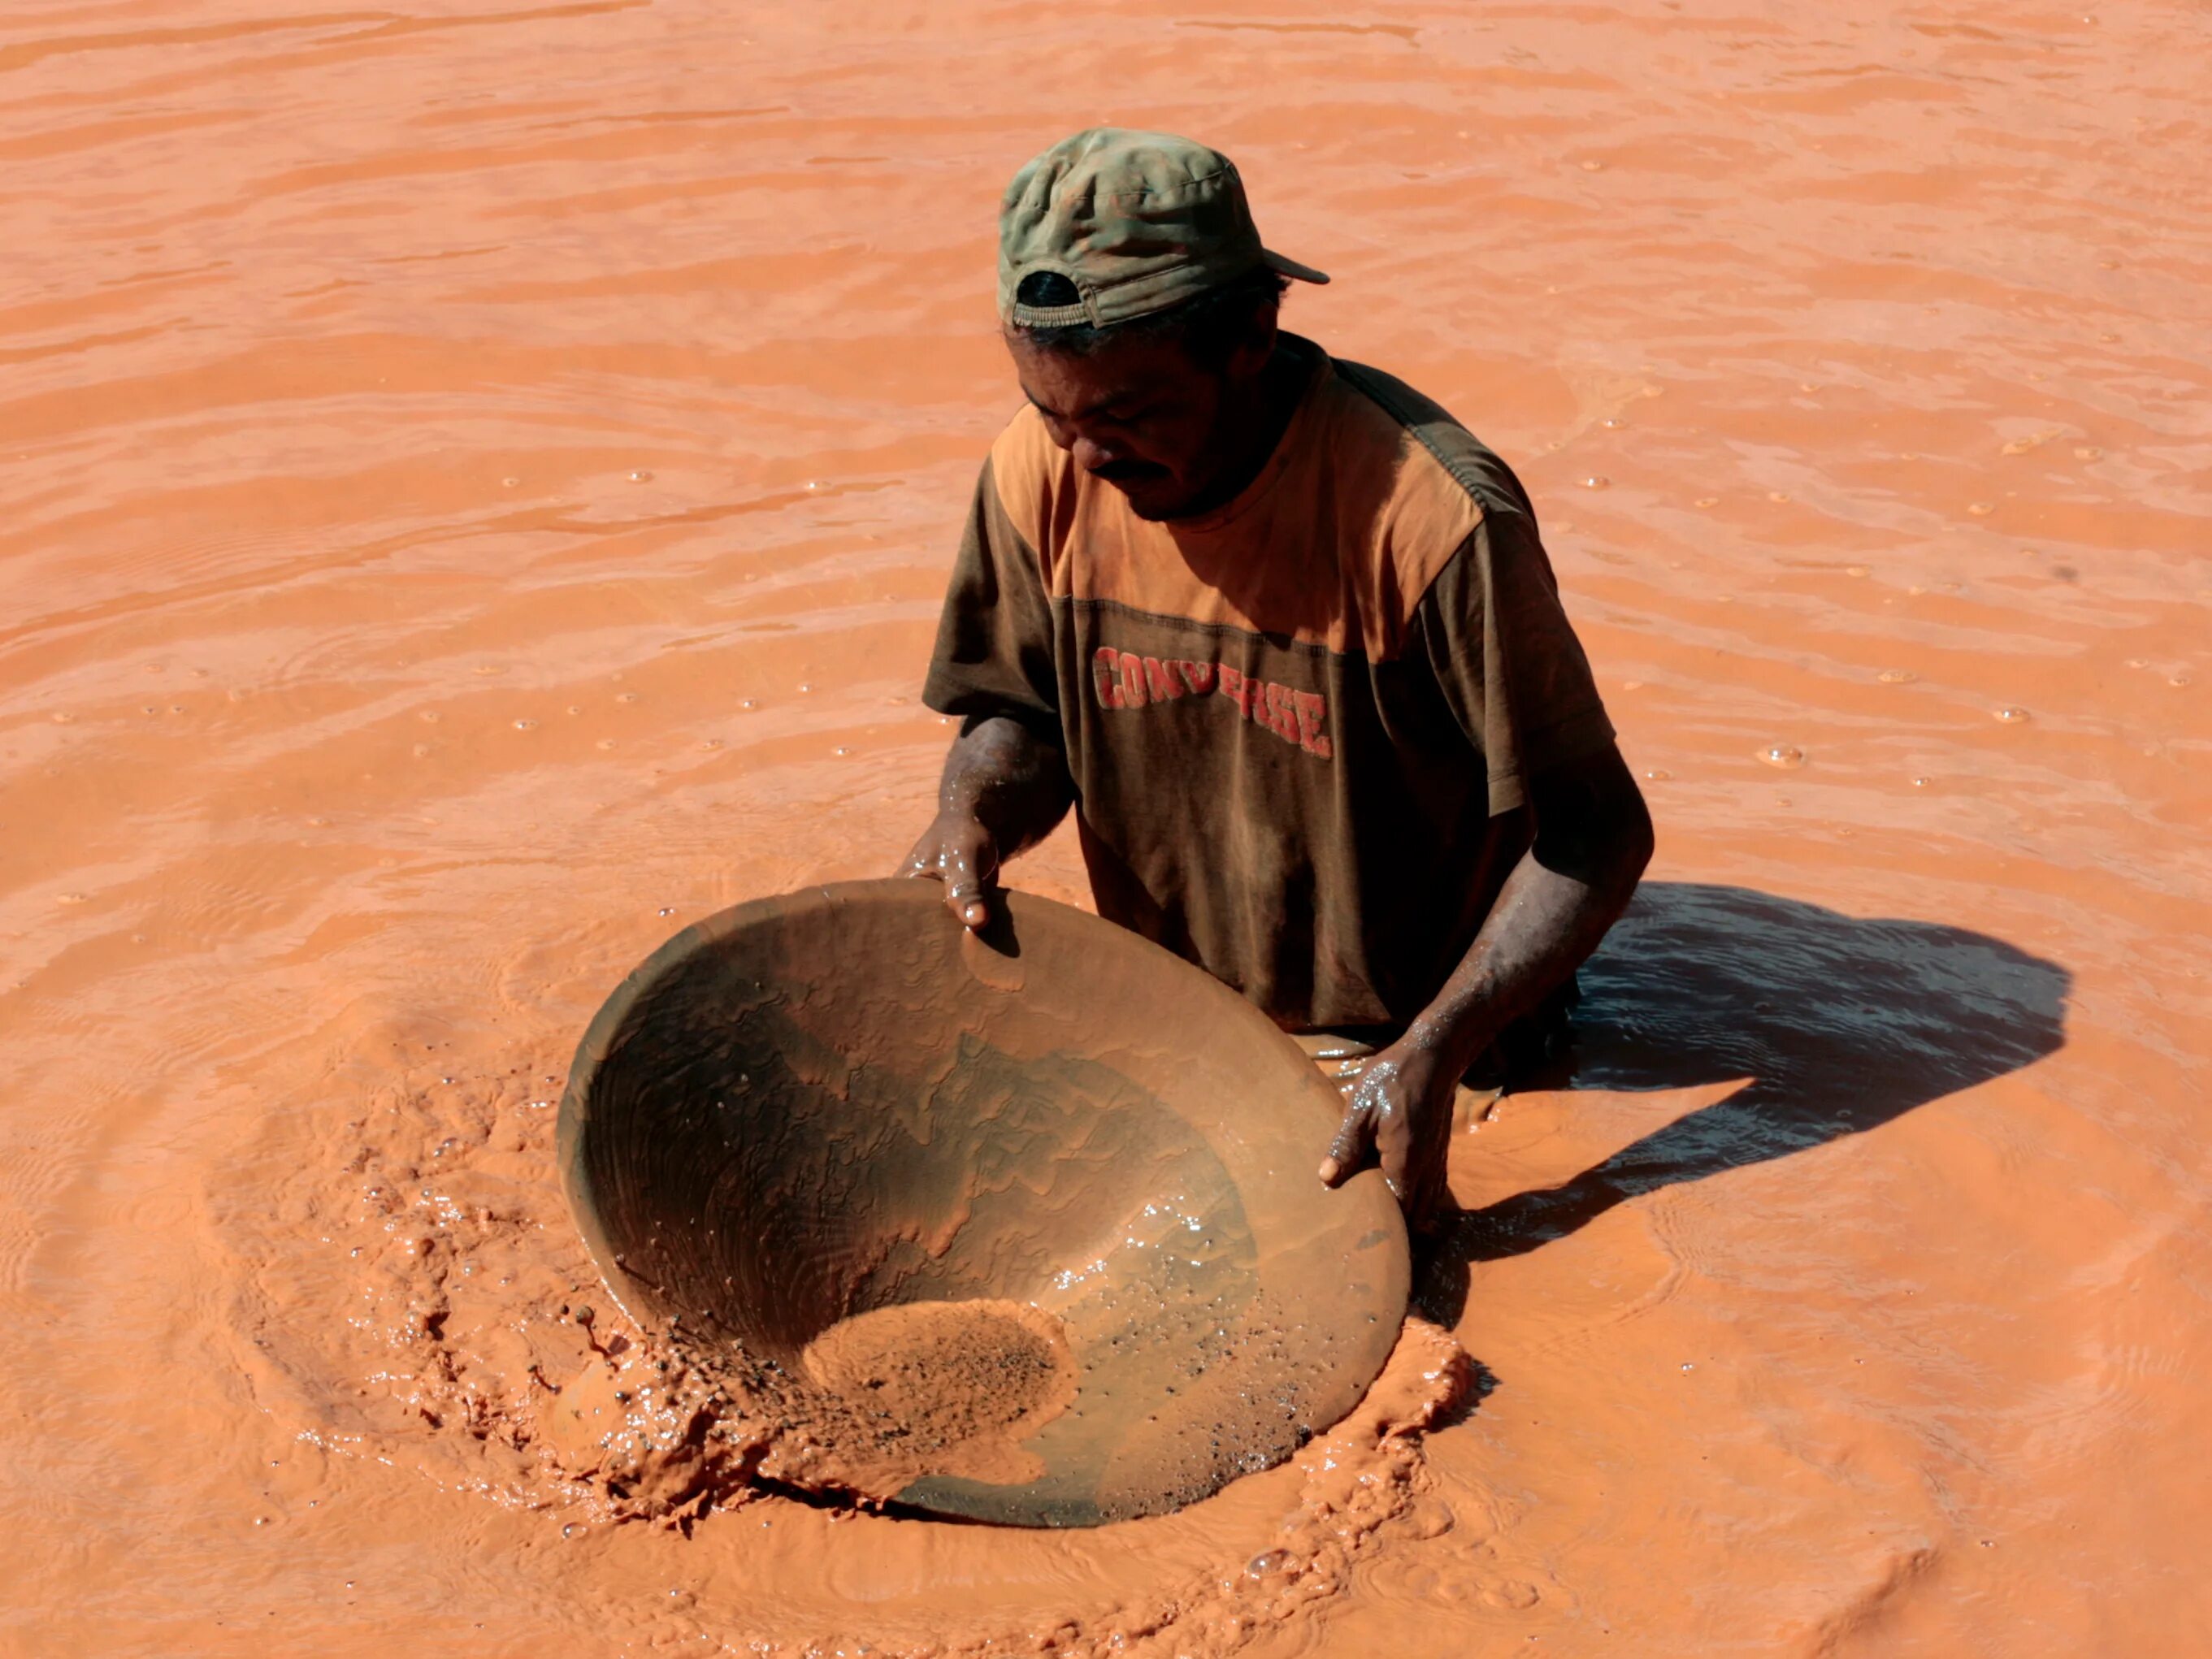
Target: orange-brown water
point(476, 484)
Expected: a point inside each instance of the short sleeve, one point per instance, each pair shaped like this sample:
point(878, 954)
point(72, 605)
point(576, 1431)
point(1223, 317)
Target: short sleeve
point(994, 651)
point(1508, 661)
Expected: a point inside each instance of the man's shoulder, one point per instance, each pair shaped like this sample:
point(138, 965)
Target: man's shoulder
point(1429, 497)
point(1024, 450)
point(1441, 455)
point(1033, 478)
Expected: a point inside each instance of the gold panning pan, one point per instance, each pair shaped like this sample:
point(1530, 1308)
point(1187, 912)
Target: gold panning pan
point(1059, 1166)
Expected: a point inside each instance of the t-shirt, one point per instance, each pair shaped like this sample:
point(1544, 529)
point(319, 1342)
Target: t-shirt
point(1299, 726)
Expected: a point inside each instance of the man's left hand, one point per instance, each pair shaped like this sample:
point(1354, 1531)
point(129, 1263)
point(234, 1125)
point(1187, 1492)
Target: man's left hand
point(1401, 1115)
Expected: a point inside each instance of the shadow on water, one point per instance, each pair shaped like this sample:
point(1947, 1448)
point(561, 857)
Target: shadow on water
point(1839, 1025)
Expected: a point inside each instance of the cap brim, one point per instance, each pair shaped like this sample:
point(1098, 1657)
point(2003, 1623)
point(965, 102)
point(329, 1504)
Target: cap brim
point(1276, 263)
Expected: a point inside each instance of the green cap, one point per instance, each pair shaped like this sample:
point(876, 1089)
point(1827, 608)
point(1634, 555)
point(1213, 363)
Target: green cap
point(1137, 221)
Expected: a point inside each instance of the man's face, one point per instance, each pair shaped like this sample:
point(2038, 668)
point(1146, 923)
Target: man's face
point(1139, 414)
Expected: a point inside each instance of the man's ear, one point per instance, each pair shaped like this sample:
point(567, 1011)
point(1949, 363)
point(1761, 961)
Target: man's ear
point(1257, 347)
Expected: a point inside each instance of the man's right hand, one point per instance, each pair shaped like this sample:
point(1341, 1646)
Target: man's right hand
point(959, 851)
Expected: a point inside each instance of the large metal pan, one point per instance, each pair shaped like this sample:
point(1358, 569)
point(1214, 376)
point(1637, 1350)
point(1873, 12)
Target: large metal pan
point(811, 1107)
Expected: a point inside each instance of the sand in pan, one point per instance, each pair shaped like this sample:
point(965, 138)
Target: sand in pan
point(955, 1386)
point(653, 1431)
point(477, 481)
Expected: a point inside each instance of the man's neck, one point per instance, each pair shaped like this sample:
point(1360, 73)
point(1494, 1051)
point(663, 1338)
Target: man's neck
point(1259, 420)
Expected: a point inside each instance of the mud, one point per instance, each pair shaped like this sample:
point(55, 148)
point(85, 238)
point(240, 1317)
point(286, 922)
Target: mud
point(478, 483)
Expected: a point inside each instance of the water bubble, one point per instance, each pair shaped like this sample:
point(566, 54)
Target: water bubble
point(1593, 166)
point(1613, 420)
point(523, 726)
point(1857, 570)
point(1658, 774)
point(430, 714)
point(1709, 500)
point(509, 483)
point(1687, 1366)
point(605, 743)
point(667, 909)
point(840, 750)
point(750, 703)
point(2089, 452)
point(1777, 495)
point(1596, 483)
point(71, 898)
point(806, 686)
point(64, 720)
point(1922, 783)
point(1981, 509)
point(2108, 339)
point(1785, 755)
point(2177, 679)
point(2012, 716)
point(1897, 676)
point(625, 696)
point(640, 477)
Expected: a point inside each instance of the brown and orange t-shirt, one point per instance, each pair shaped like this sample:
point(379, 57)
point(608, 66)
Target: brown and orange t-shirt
point(1300, 726)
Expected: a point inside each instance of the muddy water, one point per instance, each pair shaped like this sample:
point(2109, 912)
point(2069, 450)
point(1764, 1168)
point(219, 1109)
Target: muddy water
point(477, 482)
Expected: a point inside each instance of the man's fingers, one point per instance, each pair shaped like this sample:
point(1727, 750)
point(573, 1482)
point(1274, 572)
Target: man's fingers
point(964, 899)
point(969, 895)
point(1392, 1158)
point(960, 854)
point(968, 904)
point(1346, 1153)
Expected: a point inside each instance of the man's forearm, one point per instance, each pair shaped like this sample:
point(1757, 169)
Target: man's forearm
point(1593, 840)
point(1009, 780)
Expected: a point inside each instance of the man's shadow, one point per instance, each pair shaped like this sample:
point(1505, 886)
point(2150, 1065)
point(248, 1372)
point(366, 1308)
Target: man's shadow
point(1839, 1025)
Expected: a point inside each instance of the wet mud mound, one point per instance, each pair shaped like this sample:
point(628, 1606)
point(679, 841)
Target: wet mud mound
point(449, 1323)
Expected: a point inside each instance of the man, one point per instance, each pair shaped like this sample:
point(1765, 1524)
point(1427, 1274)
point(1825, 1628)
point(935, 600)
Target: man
point(1282, 632)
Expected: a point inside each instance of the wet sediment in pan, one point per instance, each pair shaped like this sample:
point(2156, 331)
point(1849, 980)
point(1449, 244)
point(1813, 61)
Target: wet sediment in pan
point(946, 1227)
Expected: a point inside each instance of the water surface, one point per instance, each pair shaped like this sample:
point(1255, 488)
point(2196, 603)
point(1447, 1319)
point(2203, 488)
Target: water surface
point(474, 486)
